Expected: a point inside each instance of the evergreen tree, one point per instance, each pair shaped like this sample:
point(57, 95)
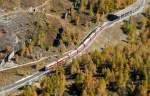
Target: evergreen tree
point(83, 5)
point(101, 89)
point(29, 91)
point(91, 10)
point(75, 68)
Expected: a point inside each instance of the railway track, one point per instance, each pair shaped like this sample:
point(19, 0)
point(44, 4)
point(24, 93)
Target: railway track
point(134, 9)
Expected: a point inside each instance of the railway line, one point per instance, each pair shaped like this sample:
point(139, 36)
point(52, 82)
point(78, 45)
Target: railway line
point(134, 9)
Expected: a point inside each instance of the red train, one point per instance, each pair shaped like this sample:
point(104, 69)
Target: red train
point(74, 52)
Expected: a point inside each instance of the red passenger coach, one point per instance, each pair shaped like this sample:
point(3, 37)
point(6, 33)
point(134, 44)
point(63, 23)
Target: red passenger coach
point(98, 29)
point(62, 60)
point(73, 53)
point(92, 36)
point(80, 48)
point(86, 41)
point(55, 63)
point(48, 66)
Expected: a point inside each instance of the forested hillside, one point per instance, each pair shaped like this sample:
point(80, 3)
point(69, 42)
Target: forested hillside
point(57, 26)
point(69, 26)
point(122, 70)
point(35, 29)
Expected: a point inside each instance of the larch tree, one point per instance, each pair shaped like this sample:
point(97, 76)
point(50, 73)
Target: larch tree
point(75, 68)
point(101, 88)
point(83, 5)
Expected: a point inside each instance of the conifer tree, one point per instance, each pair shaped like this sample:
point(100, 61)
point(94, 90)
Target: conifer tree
point(75, 68)
point(101, 89)
point(91, 10)
point(83, 5)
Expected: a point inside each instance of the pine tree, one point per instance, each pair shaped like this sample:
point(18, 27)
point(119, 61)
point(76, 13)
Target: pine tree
point(79, 78)
point(120, 79)
point(75, 68)
point(101, 89)
point(84, 93)
point(28, 91)
point(91, 67)
point(83, 5)
point(91, 10)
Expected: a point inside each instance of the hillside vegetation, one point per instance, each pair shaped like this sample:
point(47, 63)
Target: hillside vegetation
point(122, 70)
point(68, 27)
point(54, 28)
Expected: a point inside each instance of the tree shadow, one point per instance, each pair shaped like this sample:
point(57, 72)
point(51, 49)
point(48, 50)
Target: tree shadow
point(74, 89)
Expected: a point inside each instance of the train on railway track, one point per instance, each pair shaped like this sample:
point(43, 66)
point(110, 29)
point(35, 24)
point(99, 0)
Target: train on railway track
point(83, 45)
point(74, 52)
point(122, 15)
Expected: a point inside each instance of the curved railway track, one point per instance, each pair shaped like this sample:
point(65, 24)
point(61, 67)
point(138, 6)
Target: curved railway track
point(134, 9)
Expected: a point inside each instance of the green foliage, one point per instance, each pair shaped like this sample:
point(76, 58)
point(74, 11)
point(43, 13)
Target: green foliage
point(102, 6)
point(1, 2)
point(41, 39)
point(91, 10)
point(101, 88)
point(75, 68)
point(83, 5)
point(115, 67)
point(29, 91)
point(55, 84)
point(79, 78)
point(126, 27)
point(121, 70)
point(147, 13)
point(130, 29)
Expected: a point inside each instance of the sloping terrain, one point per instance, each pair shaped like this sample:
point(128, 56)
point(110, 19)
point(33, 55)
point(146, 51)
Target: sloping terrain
point(52, 29)
point(9, 5)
